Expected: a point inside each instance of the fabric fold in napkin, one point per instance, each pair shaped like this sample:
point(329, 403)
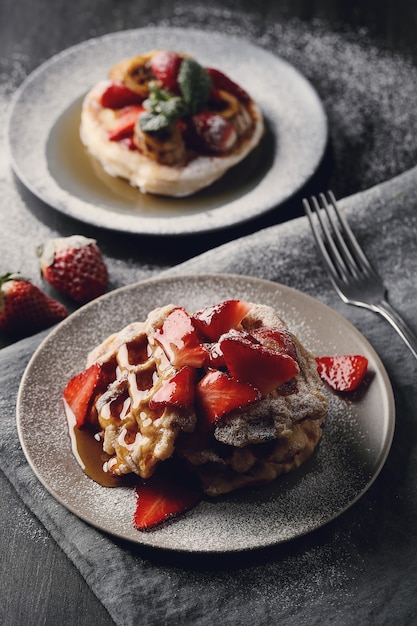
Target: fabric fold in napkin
point(366, 558)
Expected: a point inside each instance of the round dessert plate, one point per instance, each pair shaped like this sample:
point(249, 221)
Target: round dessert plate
point(356, 438)
point(45, 115)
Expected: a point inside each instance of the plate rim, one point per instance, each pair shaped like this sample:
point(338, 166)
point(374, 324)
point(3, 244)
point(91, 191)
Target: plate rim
point(390, 411)
point(161, 226)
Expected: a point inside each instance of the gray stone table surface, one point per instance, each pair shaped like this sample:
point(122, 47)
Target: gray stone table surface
point(359, 569)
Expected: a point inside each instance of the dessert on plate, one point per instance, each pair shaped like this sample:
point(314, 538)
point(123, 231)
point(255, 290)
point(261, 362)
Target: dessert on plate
point(229, 392)
point(168, 125)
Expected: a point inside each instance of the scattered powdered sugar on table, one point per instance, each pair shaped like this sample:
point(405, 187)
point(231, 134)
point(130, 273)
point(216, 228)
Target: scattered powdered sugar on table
point(368, 92)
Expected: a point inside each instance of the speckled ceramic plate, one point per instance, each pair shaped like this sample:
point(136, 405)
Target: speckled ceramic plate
point(48, 157)
point(356, 440)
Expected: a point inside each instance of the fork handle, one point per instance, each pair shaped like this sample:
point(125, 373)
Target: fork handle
point(397, 322)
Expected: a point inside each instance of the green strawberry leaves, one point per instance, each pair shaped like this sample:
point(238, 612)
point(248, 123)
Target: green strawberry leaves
point(163, 107)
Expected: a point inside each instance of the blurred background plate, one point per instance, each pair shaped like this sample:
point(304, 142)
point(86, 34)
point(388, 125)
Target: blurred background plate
point(48, 157)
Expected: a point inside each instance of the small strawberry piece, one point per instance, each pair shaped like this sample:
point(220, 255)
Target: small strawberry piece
point(216, 320)
point(126, 121)
point(342, 373)
point(24, 308)
point(179, 340)
point(160, 500)
point(117, 96)
point(165, 66)
point(221, 81)
point(211, 133)
point(215, 358)
point(80, 394)
point(129, 142)
point(75, 267)
point(218, 394)
point(275, 339)
point(255, 364)
point(176, 392)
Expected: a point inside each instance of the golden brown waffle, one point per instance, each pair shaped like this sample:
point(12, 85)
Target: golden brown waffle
point(248, 446)
point(136, 437)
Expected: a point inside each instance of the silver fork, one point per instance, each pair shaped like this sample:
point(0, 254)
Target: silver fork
point(350, 272)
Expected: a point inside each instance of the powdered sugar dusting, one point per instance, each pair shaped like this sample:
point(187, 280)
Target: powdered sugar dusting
point(368, 92)
point(356, 434)
point(368, 95)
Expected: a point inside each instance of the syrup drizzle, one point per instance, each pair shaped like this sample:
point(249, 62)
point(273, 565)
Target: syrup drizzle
point(88, 451)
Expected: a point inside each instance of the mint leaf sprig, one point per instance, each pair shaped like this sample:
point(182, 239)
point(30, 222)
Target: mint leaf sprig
point(163, 108)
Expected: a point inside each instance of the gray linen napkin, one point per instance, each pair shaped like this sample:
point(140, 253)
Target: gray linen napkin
point(365, 559)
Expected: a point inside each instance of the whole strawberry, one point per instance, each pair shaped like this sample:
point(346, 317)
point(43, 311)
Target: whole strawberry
point(24, 308)
point(75, 267)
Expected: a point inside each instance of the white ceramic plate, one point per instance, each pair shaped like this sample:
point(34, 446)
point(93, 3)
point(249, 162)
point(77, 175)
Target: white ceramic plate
point(48, 157)
point(356, 440)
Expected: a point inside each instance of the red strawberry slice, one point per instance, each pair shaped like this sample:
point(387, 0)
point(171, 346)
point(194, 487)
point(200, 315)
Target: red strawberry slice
point(275, 339)
point(117, 96)
point(129, 142)
point(215, 358)
point(126, 121)
point(81, 392)
point(159, 500)
point(165, 66)
point(216, 320)
point(255, 364)
point(342, 373)
point(221, 81)
point(218, 394)
point(179, 340)
point(178, 391)
point(212, 133)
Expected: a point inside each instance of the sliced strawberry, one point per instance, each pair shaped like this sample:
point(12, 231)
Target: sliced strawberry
point(275, 339)
point(81, 392)
point(117, 96)
point(216, 320)
point(159, 500)
point(179, 340)
point(212, 133)
point(255, 364)
point(218, 394)
point(178, 391)
point(221, 81)
point(165, 66)
point(129, 143)
point(342, 373)
point(126, 120)
point(215, 358)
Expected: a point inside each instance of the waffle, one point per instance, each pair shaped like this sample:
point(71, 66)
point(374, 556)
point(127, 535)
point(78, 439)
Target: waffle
point(248, 446)
point(135, 437)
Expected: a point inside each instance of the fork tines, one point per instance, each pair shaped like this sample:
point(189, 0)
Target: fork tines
point(349, 270)
point(340, 250)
